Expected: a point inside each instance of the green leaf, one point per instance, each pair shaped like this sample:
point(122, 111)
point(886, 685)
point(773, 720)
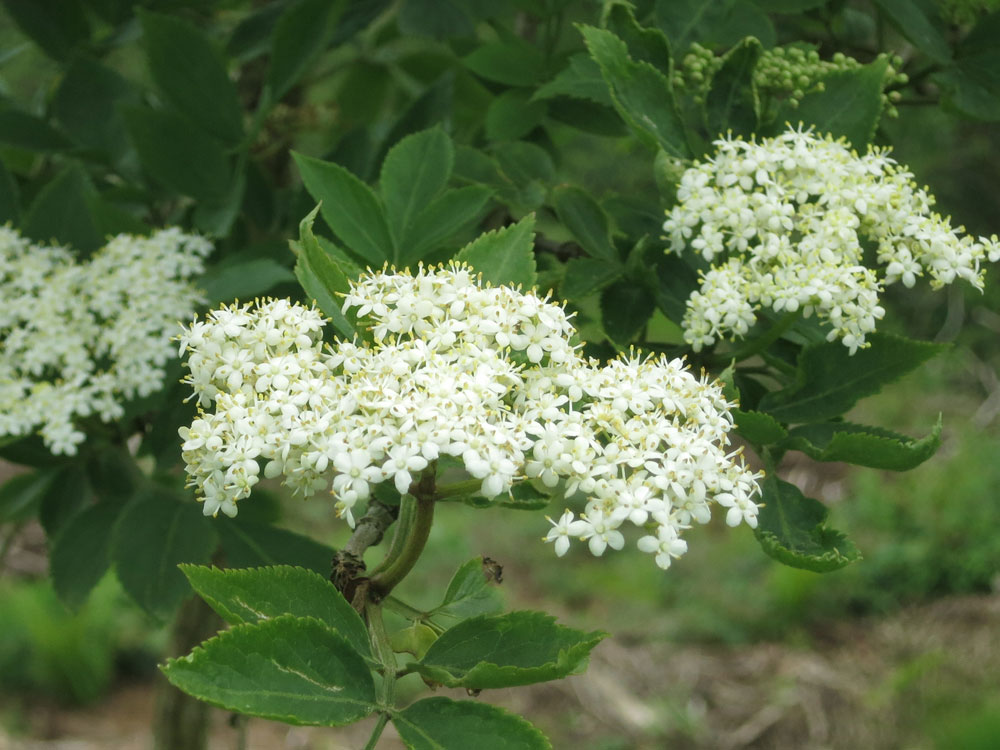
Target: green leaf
point(413, 173)
point(87, 105)
point(919, 22)
point(349, 207)
point(439, 19)
point(21, 130)
point(67, 493)
point(192, 75)
point(850, 104)
point(789, 6)
point(642, 94)
point(732, 102)
point(759, 428)
point(585, 276)
point(514, 62)
point(252, 36)
point(237, 278)
point(248, 544)
point(830, 380)
point(57, 26)
point(21, 495)
point(257, 594)
point(302, 32)
point(9, 197)
point(178, 155)
point(80, 553)
point(290, 669)
point(321, 276)
point(504, 256)
point(645, 44)
point(471, 592)
point(626, 307)
point(972, 84)
point(61, 212)
point(791, 528)
point(443, 724)
point(518, 648)
point(675, 280)
point(153, 535)
point(524, 496)
point(447, 215)
point(415, 639)
point(863, 445)
point(580, 79)
point(586, 221)
point(686, 21)
point(512, 115)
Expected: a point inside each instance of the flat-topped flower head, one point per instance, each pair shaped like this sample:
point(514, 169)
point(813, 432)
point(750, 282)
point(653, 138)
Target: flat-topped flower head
point(80, 338)
point(487, 375)
point(784, 223)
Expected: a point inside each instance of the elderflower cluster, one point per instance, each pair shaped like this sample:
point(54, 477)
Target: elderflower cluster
point(79, 338)
point(782, 73)
point(483, 376)
point(784, 222)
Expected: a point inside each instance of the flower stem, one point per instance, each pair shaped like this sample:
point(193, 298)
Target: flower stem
point(387, 658)
point(458, 490)
point(383, 719)
point(422, 500)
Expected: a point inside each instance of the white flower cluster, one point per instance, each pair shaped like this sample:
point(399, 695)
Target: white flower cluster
point(785, 221)
point(78, 338)
point(486, 375)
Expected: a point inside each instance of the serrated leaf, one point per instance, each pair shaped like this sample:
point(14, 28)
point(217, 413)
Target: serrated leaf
point(80, 553)
point(414, 640)
point(920, 23)
point(586, 221)
point(642, 94)
point(413, 173)
point(504, 256)
point(514, 62)
point(87, 105)
point(349, 207)
point(732, 102)
point(153, 535)
point(21, 495)
point(830, 380)
point(443, 724)
point(68, 492)
point(192, 75)
point(518, 648)
point(585, 276)
point(792, 529)
point(675, 281)
point(849, 105)
point(23, 130)
point(257, 594)
point(61, 212)
point(290, 669)
point(972, 83)
point(626, 307)
point(580, 79)
point(57, 26)
point(759, 428)
point(301, 33)
point(10, 197)
point(321, 276)
point(450, 213)
point(685, 21)
point(512, 115)
point(523, 496)
point(644, 43)
point(242, 279)
point(863, 445)
point(248, 544)
point(178, 155)
point(471, 592)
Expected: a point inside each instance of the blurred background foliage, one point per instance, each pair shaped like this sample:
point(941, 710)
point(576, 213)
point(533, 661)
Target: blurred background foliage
point(117, 116)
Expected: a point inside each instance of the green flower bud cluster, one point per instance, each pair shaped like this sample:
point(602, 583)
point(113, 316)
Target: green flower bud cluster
point(782, 74)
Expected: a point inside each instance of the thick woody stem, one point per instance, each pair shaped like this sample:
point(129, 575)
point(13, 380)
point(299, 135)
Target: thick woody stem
point(348, 563)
